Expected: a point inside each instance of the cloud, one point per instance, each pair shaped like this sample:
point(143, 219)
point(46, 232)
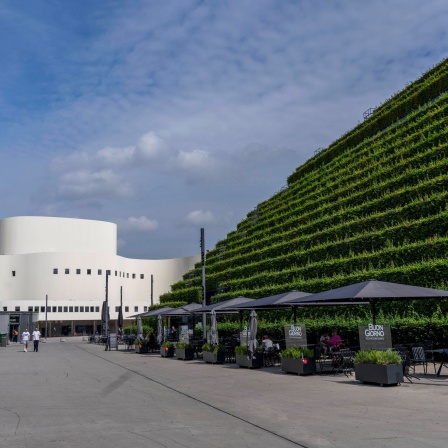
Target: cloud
point(204, 106)
point(200, 218)
point(149, 147)
point(104, 183)
point(142, 224)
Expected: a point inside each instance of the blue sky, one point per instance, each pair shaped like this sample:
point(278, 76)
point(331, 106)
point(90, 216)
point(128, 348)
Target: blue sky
point(165, 117)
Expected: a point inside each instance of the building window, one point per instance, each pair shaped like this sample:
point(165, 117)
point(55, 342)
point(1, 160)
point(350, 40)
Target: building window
point(36, 309)
point(100, 272)
point(48, 309)
point(55, 270)
point(42, 309)
point(126, 309)
point(142, 276)
point(127, 275)
point(67, 271)
point(78, 271)
point(89, 271)
point(76, 309)
point(97, 309)
point(17, 308)
point(108, 272)
point(59, 309)
point(81, 309)
point(13, 273)
point(92, 309)
point(86, 309)
point(54, 309)
point(5, 308)
point(120, 273)
point(116, 273)
point(133, 275)
point(30, 308)
point(145, 308)
point(70, 309)
point(65, 309)
point(117, 308)
point(136, 309)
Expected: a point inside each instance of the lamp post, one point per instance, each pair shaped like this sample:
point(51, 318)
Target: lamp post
point(46, 317)
point(106, 317)
point(204, 295)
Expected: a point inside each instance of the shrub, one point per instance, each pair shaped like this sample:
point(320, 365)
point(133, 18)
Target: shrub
point(297, 353)
point(167, 344)
point(377, 357)
point(183, 345)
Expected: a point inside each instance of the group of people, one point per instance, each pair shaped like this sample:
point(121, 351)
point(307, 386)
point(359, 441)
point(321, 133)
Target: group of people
point(332, 343)
point(26, 338)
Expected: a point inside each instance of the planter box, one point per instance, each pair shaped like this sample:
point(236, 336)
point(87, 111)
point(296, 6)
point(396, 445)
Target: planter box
point(184, 353)
point(167, 352)
point(142, 349)
point(243, 361)
point(300, 366)
point(379, 374)
point(211, 358)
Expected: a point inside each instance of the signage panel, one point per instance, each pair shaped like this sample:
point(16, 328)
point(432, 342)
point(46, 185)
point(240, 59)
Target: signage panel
point(295, 335)
point(374, 336)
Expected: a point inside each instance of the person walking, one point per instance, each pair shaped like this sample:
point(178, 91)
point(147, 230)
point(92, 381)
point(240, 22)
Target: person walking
point(25, 339)
point(15, 335)
point(36, 337)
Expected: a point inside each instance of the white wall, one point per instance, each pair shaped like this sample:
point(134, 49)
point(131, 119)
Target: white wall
point(33, 277)
point(35, 234)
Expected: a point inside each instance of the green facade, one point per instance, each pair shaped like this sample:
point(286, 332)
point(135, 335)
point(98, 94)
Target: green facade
point(371, 205)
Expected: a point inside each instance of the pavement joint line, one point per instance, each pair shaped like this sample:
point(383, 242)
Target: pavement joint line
point(196, 399)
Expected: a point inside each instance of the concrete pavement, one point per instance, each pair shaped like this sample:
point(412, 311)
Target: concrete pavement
point(75, 394)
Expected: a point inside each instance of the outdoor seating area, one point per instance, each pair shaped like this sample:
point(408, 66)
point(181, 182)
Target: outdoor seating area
point(329, 354)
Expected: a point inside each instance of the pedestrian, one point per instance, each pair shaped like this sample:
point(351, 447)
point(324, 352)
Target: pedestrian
point(36, 337)
point(15, 335)
point(25, 339)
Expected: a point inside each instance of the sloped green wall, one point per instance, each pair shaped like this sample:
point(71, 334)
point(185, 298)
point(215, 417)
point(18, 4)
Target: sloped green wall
point(372, 205)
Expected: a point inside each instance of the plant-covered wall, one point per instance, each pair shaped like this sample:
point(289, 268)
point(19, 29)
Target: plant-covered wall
point(371, 205)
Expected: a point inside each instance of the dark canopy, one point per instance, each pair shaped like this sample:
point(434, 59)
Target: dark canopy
point(153, 313)
point(183, 310)
point(223, 306)
point(370, 291)
point(272, 302)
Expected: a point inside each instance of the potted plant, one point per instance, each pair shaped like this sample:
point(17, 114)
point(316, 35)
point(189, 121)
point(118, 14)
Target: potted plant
point(377, 366)
point(213, 355)
point(184, 351)
point(298, 360)
point(167, 349)
point(244, 360)
point(140, 346)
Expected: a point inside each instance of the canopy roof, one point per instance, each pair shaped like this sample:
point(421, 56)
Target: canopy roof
point(371, 291)
point(183, 310)
point(153, 312)
point(272, 302)
point(224, 306)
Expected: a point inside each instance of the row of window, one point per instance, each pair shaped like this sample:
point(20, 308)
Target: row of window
point(100, 272)
point(89, 272)
point(71, 309)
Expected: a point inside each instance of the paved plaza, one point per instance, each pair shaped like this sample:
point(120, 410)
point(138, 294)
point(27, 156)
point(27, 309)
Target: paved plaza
point(75, 394)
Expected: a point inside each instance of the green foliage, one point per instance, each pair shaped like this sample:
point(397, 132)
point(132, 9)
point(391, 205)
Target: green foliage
point(297, 352)
point(166, 344)
point(183, 345)
point(241, 350)
point(377, 357)
point(207, 347)
point(372, 205)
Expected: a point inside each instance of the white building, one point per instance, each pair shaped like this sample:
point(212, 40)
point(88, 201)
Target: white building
point(67, 261)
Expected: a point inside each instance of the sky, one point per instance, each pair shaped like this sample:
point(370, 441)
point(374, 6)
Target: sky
point(168, 116)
